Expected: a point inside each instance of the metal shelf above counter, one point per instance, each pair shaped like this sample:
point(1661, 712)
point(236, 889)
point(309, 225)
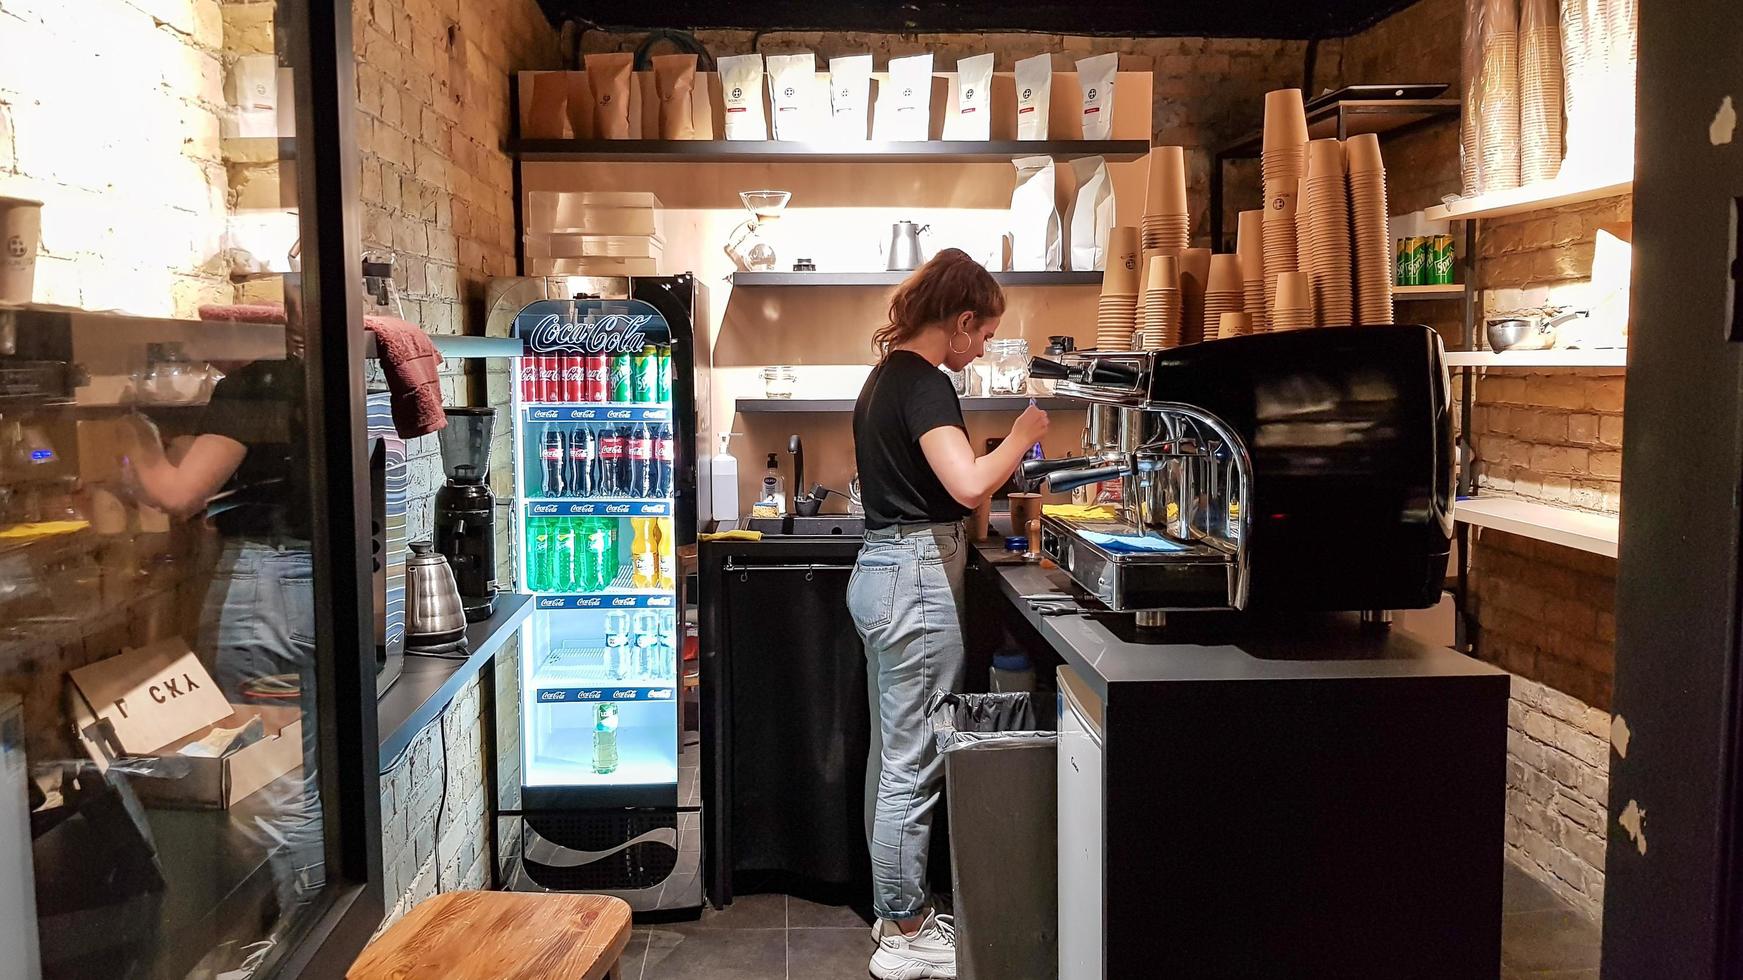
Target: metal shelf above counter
point(771, 151)
point(996, 403)
point(1596, 357)
point(1578, 529)
point(1534, 197)
point(426, 685)
point(761, 279)
point(457, 346)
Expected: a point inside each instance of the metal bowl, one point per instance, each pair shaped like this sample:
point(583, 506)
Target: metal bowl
point(1504, 334)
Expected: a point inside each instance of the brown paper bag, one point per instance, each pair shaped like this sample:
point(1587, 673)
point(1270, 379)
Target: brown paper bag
point(544, 120)
point(674, 81)
point(580, 105)
point(613, 87)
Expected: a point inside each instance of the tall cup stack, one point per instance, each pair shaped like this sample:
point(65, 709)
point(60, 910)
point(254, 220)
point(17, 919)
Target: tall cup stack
point(1370, 236)
point(1540, 90)
point(1282, 164)
point(1117, 311)
point(1162, 302)
point(1489, 130)
point(1303, 241)
point(1222, 293)
point(1250, 246)
point(1167, 223)
point(1194, 278)
point(1328, 234)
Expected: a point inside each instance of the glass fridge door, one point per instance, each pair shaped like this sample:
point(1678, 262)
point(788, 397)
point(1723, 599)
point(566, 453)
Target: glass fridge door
point(594, 417)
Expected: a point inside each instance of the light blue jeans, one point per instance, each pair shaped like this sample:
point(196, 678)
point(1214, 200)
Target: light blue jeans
point(906, 597)
point(258, 622)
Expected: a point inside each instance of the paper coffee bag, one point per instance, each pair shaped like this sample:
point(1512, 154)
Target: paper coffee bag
point(1095, 76)
point(675, 80)
point(849, 95)
point(741, 86)
point(792, 81)
point(1034, 96)
point(609, 77)
point(1092, 214)
point(905, 100)
point(1035, 233)
point(970, 113)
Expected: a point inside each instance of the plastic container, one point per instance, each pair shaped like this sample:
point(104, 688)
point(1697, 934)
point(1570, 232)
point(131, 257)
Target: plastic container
point(779, 381)
point(1012, 673)
point(1001, 783)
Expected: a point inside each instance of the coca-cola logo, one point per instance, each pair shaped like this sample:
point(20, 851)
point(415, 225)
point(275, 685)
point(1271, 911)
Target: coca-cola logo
point(610, 333)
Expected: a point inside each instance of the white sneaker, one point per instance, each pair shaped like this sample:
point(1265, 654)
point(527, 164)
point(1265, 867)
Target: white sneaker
point(930, 952)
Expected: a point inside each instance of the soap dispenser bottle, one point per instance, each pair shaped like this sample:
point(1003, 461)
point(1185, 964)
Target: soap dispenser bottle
point(772, 501)
point(723, 482)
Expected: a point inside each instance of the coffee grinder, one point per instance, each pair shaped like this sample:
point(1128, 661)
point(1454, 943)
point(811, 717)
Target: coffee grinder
point(466, 509)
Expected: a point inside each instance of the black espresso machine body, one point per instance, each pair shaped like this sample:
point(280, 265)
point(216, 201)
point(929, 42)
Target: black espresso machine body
point(1347, 435)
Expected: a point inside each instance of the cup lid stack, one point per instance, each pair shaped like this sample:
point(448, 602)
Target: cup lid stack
point(1490, 128)
point(1117, 311)
point(1222, 293)
point(1250, 246)
point(1370, 234)
point(1294, 309)
point(1540, 91)
point(1327, 227)
point(1194, 277)
point(1234, 324)
point(1282, 162)
point(1161, 302)
point(1167, 223)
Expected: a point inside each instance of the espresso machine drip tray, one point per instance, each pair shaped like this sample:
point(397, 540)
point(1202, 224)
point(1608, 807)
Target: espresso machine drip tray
point(1129, 569)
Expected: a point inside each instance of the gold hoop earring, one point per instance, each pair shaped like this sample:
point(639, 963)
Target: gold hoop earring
point(963, 334)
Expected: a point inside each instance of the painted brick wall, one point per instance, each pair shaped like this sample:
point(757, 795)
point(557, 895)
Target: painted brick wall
point(433, 114)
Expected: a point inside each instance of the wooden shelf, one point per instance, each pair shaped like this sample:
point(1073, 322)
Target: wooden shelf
point(1450, 291)
point(997, 403)
point(761, 279)
point(1532, 197)
point(1360, 116)
point(1599, 357)
point(1578, 529)
point(769, 151)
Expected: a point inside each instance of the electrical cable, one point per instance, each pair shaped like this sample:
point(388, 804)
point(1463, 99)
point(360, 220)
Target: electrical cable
point(683, 41)
point(442, 806)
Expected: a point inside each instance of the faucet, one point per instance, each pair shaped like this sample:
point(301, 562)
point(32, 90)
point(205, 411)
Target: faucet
point(796, 449)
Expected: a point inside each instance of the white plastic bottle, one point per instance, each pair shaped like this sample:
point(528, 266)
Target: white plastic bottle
point(723, 483)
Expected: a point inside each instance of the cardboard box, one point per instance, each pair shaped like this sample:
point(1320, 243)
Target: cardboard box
point(593, 213)
point(599, 266)
point(594, 247)
point(153, 701)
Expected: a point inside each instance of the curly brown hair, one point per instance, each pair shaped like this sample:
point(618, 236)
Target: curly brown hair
point(950, 283)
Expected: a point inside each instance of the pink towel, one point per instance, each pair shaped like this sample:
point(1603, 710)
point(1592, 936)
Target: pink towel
point(244, 312)
point(412, 364)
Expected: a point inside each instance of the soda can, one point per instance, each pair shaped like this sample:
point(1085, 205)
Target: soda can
point(663, 393)
point(645, 384)
point(596, 372)
point(529, 379)
point(550, 379)
point(572, 379)
point(621, 388)
point(1440, 260)
point(1401, 250)
point(1415, 260)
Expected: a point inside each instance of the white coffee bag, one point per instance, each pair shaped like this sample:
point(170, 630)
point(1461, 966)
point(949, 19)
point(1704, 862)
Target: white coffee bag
point(1034, 96)
point(1092, 214)
point(792, 96)
point(850, 95)
point(1095, 76)
point(741, 88)
point(905, 100)
point(1035, 233)
point(970, 114)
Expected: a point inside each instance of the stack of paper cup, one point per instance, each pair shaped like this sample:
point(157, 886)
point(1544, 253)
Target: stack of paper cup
point(1167, 223)
point(1282, 164)
point(1370, 236)
point(1303, 244)
point(1293, 311)
point(1250, 246)
point(1162, 303)
point(1222, 293)
point(1327, 203)
point(1490, 128)
point(1540, 91)
point(1117, 312)
point(1194, 278)
point(1234, 324)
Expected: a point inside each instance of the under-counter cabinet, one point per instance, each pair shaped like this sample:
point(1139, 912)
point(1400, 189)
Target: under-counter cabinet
point(1080, 829)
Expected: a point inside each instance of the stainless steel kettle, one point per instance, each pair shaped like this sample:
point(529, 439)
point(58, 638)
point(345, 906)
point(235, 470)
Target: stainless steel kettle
point(904, 251)
point(434, 615)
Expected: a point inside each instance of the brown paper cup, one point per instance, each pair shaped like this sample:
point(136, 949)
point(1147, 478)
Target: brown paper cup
point(1122, 274)
point(1250, 241)
point(1285, 119)
point(1363, 154)
point(1167, 192)
point(1325, 158)
point(20, 237)
point(1026, 507)
point(1234, 325)
point(1225, 274)
point(1163, 272)
point(1293, 294)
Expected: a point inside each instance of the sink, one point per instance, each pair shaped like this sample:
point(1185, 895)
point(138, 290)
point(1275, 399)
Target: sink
point(823, 524)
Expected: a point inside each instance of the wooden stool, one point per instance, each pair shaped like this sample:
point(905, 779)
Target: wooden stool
point(501, 936)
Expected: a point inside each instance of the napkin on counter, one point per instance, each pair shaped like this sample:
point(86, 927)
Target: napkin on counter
point(1080, 512)
point(1132, 542)
point(739, 534)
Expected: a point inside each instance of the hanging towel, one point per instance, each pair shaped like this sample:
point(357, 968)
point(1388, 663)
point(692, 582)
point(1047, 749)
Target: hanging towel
point(244, 312)
point(411, 362)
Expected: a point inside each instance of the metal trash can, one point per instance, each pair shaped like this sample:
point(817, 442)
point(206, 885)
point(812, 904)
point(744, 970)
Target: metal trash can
point(1000, 779)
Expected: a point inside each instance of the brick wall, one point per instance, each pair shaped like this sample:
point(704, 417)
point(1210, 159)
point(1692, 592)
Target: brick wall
point(433, 115)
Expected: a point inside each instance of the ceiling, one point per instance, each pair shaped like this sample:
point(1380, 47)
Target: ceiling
point(1120, 18)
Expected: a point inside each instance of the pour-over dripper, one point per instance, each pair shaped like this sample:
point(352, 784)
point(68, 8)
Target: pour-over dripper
point(765, 203)
point(749, 245)
point(465, 444)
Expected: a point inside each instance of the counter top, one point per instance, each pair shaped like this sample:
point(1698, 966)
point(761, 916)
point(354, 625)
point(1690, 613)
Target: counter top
point(427, 684)
point(1107, 649)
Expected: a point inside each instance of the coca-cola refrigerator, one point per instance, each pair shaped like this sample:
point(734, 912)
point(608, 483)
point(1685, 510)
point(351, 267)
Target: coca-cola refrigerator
point(605, 432)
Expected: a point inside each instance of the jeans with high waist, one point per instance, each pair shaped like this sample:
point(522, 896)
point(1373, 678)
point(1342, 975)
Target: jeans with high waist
point(906, 597)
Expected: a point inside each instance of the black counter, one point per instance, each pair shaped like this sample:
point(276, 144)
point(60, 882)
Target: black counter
point(427, 685)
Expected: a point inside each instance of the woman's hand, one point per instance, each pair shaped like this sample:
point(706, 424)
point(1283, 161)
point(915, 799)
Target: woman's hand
point(1030, 427)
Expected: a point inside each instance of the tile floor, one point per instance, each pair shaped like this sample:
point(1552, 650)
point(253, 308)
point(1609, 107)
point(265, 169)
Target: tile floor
point(775, 937)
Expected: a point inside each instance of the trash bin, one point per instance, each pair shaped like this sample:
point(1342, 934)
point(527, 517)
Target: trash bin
point(1000, 780)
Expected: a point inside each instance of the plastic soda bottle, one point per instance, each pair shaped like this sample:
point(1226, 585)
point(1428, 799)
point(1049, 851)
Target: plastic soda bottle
point(605, 738)
point(599, 541)
point(644, 559)
point(668, 553)
point(617, 649)
point(564, 560)
point(538, 555)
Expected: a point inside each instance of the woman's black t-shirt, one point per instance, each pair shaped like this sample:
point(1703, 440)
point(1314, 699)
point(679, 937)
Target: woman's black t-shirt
point(905, 398)
point(261, 407)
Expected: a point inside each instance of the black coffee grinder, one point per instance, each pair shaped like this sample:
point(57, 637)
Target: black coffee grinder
point(466, 509)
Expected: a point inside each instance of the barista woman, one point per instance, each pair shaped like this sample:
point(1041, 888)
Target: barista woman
point(919, 478)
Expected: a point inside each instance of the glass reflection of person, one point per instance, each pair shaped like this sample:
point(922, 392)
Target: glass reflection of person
point(247, 470)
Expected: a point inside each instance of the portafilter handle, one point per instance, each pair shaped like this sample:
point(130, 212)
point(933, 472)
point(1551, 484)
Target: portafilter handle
point(1041, 367)
point(1066, 481)
point(1031, 471)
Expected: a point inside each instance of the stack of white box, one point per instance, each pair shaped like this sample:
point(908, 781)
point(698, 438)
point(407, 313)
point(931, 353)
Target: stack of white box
point(593, 233)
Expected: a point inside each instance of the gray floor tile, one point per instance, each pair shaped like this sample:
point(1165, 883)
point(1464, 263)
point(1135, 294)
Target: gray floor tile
point(694, 952)
point(1522, 893)
point(748, 912)
point(828, 954)
point(635, 954)
point(802, 914)
point(1549, 939)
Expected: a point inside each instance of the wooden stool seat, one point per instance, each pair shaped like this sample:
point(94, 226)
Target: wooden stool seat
point(501, 936)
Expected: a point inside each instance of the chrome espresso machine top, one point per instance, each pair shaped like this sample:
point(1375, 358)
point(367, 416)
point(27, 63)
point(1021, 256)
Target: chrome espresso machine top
point(1306, 470)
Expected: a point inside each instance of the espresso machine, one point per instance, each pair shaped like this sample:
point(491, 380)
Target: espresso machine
point(466, 509)
point(1297, 471)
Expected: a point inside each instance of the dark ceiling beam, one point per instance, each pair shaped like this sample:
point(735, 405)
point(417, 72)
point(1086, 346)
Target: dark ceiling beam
point(1109, 18)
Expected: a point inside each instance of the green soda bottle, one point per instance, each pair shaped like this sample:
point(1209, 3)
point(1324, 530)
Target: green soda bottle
point(605, 739)
point(539, 546)
point(563, 556)
point(601, 556)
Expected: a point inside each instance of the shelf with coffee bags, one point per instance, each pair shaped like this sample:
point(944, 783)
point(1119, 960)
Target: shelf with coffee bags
point(816, 279)
point(775, 151)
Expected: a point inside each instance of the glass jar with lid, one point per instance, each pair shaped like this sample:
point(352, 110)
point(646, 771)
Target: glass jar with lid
point(1009, 358)
point(779, 380)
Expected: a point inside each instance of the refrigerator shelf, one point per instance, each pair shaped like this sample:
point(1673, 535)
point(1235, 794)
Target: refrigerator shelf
point(604, 507)
point(616, 695)
point(609, 599)
point(598, 413)
point(570, 666)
